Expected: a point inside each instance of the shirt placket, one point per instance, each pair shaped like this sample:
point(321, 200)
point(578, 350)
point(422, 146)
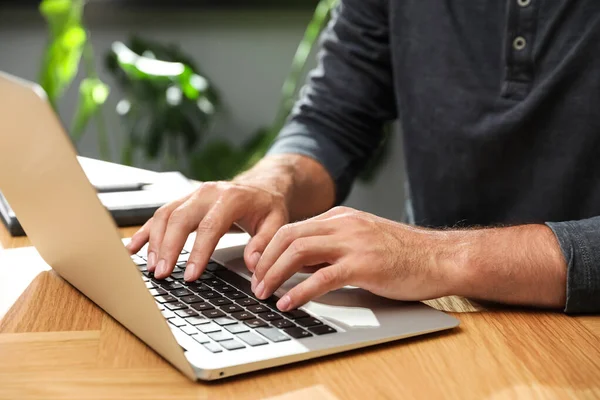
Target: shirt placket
point(520, 35)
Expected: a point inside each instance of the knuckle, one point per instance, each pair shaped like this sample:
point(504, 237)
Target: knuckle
point(162, 212)
point(178, 216)
point(299, 248)
point(340, 210)
point(208, 225)
point(231, 193)
point(208, 186)
point(286, 232)
point(328, 276)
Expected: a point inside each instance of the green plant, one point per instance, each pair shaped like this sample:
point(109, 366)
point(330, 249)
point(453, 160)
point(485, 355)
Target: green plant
point(168, 104)
point(68, 44)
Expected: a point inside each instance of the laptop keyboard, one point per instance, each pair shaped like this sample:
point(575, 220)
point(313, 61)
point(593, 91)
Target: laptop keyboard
point(220, 312)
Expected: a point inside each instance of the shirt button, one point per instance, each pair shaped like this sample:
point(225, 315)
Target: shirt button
point(519, 43)
point(523, 3)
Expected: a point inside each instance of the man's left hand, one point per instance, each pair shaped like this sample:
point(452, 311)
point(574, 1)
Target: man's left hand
point(349, 247)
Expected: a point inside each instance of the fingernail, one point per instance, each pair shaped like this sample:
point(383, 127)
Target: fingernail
point(254, 259)
point(160, 268)
point(190, 271)
point(284, 303)
point(260, 289)
point(253, 283)
point(151, 259)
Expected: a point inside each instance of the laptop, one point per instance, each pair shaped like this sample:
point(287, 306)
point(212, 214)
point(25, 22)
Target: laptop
point(209, 329)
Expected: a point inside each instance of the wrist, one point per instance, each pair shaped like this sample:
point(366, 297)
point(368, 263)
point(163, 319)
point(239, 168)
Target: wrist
point(273, 174)
point(456, 261)
point(305, 186)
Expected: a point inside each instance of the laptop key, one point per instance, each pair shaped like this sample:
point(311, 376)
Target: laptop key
point(214, 282)
point(322, 330)
point(259, 308)
point(168, 314)
point(198, 287)
point(237, 328)
point(158, 292)
point(160, 306)
point(208, 328)
point(206, 276)
point(270, 316)
point(297, 333)
point(149, 285)
point(186, 313)
point(213, 266)
point(191, 299)
point(232, 344)
point(175, 306)
point(183, 257)
point(201, 338)
point(181, 292)
point(201, 306)
point(219, 336)
point(220, 301)
point(255, 323)
point(224, 288)
point(178, 322)
point(197, 320)
point(306, 322)
point(209, 295)
point(252, 339)
point(243, 315)
point(246, 302)
point(213, 347)
point(213, 314)
point(273, 334)
point(282, 323)
point(190, 330)
point(170, 285)
point(231, 308)
point(166, 299)
point(235, 295)
point(137, 260)
point(295, 314)
point(177, 275)
point(223, 321)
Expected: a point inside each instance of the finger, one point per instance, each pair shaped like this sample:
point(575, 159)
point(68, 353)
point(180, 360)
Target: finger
point(183, 220)
point(257, 245)
point(211, 229)
point(303, 252)
point(323, 281)
point(283, 239)
point(140, 238)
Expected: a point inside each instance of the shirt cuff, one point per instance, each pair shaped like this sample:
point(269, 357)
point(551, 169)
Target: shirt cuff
point(580, 244)
point(295, 138)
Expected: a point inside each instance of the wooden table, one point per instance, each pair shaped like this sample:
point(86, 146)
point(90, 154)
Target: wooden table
point(54, 343)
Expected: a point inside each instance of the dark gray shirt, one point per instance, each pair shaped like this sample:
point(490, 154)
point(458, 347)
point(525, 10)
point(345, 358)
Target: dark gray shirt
point(499, 105)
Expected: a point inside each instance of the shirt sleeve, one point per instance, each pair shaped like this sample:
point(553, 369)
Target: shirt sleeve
point(339, 118)
point(580, 244)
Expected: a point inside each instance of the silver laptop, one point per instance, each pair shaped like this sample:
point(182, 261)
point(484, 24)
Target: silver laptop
point(208, 329)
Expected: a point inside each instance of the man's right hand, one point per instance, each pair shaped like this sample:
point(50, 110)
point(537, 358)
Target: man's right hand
point(210, 211)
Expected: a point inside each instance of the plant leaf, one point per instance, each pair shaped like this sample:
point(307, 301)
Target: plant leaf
point(92, 95)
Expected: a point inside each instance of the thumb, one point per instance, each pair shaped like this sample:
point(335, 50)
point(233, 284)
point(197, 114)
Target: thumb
point(257, 245)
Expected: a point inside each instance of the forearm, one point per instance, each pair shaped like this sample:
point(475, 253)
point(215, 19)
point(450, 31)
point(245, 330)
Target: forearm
point(516, 265)
point(304, 183)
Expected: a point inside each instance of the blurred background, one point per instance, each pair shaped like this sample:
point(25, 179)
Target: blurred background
point(197, 86)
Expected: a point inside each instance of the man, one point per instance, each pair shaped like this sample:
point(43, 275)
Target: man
point(498, 102)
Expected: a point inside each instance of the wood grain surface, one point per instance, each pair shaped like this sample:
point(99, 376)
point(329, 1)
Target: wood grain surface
point(54, 343)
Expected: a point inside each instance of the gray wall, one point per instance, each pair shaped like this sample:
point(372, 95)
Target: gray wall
point(245, 54)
